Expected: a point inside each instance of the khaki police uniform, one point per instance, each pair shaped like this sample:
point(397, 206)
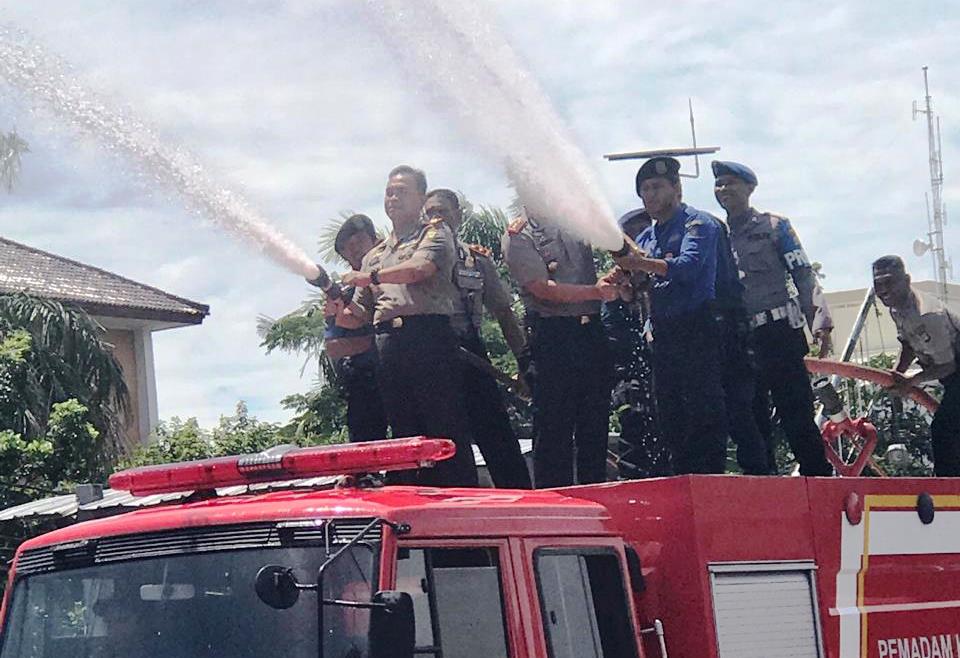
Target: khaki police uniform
point(478, 282)
point(572, 371)
point(417, 374)
point(932, 331)
point(781, 294)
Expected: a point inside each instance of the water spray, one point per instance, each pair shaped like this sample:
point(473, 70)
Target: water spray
point(453, 48)
point(48, 82)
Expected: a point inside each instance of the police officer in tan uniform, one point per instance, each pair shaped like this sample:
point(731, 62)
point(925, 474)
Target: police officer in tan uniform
point(409, 277)
point(479, 286)
point(573, 369)
point(929, 333)
point(781, 295)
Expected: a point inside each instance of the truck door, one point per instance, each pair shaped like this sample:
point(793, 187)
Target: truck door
point(464, 604)
point(585, 608)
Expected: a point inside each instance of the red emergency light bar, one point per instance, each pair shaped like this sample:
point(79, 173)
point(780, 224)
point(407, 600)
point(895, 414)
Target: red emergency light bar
point(284, 462)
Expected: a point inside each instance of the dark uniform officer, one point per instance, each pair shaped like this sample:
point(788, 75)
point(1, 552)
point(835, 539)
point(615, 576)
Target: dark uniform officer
point(641, 453)
point(571, 385)
point(768, 255)
point(681, 257)
point(349, 342)
point(479, 286)
point(929, 333)
point(410, 279)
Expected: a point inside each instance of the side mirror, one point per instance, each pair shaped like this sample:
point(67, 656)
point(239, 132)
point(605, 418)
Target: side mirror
point(277, 586)
point(392, 627)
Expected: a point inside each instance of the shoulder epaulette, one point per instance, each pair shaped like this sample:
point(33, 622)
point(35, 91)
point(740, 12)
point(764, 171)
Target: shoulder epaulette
point(516, 225)
point(436, 221)
point(480, 250)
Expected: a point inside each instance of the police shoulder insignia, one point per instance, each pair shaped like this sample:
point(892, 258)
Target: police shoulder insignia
point(516, 225)
point(480, 250)
point(436, 221)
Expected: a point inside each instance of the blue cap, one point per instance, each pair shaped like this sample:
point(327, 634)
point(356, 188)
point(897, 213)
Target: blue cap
point(638, 213)
point(743, 172)
point(659, 167)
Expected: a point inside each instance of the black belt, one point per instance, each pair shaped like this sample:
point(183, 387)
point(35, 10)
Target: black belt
point(570, 320)
point(403, 322)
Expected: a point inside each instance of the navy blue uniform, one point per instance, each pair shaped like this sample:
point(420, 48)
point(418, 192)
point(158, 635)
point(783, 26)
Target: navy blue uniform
point(686, 345)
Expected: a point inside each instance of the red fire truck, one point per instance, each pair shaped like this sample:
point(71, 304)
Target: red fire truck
point(685, 567)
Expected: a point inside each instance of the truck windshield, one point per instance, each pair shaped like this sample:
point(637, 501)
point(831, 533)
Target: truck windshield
point(201, 604)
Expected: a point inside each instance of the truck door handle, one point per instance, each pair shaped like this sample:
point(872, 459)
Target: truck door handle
point(658, 629)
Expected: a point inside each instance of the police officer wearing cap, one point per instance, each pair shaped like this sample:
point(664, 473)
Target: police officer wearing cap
point(641, 453)
point(410, 291)
point(768, 254)
point(571, 386)
point(349, 340)
point(929, 333)
point(680, 255)
point(479, 286)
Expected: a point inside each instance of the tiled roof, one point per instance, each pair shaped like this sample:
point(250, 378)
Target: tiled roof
point(36, 272)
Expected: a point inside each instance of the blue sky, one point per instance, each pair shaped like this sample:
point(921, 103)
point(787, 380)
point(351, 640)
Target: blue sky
point(300, 107)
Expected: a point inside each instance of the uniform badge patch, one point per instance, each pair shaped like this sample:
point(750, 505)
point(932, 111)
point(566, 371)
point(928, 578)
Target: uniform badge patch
point(516, 225)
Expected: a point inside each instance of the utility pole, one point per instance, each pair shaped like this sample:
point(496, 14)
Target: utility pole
point(943, 267)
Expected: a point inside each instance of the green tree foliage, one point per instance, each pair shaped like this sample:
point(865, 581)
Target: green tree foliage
point(12, 147)
point(61, 401)
point(52, 353)
point(69, 452)
point(178, 440)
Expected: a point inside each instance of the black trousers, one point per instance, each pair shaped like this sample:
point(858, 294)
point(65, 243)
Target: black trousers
point(366, 418)
point(739, 387)
point(571, 397)
point(688, 386)
point(419, 380)
point(783, 377)
point(945, 430)
point(489, 423)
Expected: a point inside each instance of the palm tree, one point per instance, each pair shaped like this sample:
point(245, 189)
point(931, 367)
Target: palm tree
point(12, 146)
point(53, 353)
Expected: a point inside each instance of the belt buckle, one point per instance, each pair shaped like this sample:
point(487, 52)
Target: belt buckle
point(396, 323)
point(584, 319)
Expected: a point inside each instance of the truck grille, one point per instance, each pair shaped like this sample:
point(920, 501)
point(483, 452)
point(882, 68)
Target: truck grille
point(193, 540)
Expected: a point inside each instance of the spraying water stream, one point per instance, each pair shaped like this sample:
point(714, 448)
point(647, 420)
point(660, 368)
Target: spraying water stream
point(50, 85)
point(454, 50)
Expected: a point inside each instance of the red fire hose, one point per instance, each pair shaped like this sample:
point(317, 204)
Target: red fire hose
point(859, 431)
point(873, 375)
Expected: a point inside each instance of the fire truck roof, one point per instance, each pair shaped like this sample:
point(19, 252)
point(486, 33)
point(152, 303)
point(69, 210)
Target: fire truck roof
point(537, 512)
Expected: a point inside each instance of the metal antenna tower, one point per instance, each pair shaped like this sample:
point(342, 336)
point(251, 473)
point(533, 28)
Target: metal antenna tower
point(943, 267)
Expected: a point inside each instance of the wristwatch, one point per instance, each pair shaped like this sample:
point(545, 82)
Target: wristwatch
point(375, 276)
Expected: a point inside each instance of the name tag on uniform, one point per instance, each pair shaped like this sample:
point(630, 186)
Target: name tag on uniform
point(468, 279)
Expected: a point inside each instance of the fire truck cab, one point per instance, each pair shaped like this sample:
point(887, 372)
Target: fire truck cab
point(685, 567)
